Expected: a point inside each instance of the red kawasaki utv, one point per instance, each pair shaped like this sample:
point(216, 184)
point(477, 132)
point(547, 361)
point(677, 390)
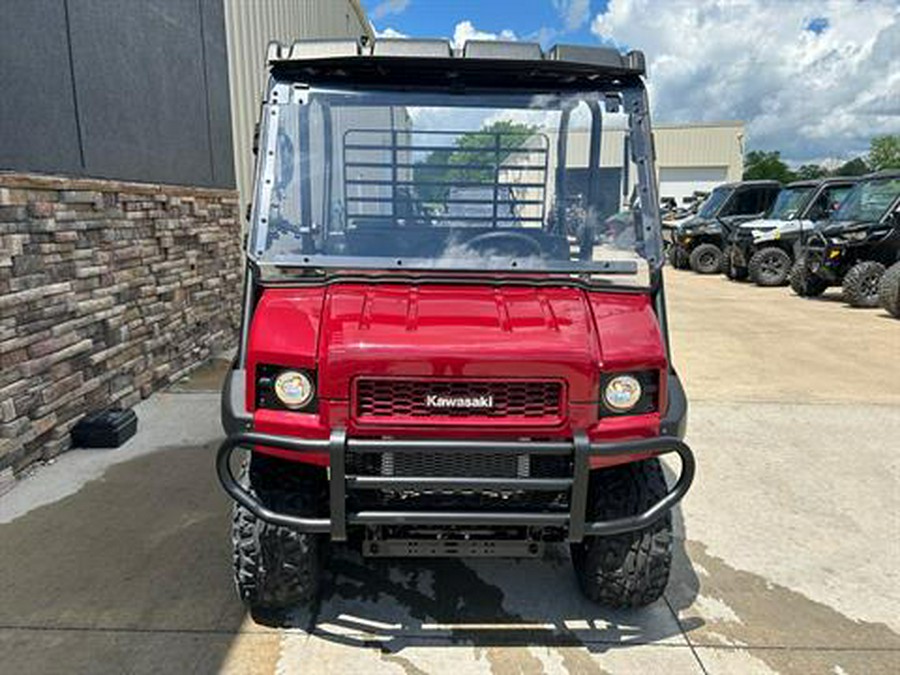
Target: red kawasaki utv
point(441, 355)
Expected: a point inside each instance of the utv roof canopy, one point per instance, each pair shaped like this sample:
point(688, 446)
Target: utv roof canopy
point(827, 180)
point(479, 63)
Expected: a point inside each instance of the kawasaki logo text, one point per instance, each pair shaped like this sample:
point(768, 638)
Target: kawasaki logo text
point(435, 401)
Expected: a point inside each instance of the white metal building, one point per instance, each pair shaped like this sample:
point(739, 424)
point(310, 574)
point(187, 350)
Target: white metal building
point(250, 25)
point(699, 156)
point(689, 157)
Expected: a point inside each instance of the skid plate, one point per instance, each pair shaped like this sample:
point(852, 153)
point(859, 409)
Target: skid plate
point(451, 548)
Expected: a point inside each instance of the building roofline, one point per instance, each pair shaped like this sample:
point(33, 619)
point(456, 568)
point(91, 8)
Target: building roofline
point(696, 125)
point(682, 125)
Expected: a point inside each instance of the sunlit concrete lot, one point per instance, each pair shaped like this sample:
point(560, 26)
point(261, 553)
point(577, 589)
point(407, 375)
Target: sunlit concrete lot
point(787, 559)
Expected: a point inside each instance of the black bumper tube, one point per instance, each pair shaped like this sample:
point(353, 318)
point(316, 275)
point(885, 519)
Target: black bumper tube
point(575, 519)
point(579, 448)
point(243, 497)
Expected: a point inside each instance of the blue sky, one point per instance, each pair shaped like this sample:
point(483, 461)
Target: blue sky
point(814, 79)
point(528, 19)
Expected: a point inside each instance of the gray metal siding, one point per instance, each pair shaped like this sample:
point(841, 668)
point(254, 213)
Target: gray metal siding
point(143, 86)
point(218, 100)
point(38, 129)
point(251, 25)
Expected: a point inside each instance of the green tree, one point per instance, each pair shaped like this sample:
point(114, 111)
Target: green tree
point(763, 165)
point(811, 172)
point(884, 152)
point(855, 167)
point(473, 159)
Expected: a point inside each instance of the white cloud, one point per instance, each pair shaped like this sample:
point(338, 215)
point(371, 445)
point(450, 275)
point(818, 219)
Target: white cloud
point(465, 31)
point(574, 13)
point(809, 94)
point(387, 7)
point(544, 35)
point(389, 33)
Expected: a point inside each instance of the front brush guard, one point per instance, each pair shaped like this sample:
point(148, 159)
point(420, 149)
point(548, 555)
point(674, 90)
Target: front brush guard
point(579, 448)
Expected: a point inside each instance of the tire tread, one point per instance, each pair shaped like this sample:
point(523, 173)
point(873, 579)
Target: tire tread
point(276, 567)
point(758, 276)
point(852, 286)
point(631, 569)
point(804, 283)
point(889, 290)
point(698, 253)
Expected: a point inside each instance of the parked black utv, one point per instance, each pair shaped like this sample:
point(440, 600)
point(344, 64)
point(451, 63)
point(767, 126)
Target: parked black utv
point(700, 241)
point(856, 245)
point(765, 249)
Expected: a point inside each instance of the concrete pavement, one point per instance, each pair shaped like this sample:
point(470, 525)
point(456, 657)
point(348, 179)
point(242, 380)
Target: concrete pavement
point(787, 559)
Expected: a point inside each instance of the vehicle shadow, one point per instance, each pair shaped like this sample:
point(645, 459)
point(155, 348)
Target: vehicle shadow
point(831, 296)
point(129, 573)
point(489, 602)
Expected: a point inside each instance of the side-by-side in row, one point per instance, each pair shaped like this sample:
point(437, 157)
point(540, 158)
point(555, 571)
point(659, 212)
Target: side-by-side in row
point(840, 231)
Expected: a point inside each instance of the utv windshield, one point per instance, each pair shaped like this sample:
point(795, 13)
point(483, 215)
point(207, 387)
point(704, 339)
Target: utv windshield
point(869, 200)
point(715, 202)
point(790, 203)
point(389, 179)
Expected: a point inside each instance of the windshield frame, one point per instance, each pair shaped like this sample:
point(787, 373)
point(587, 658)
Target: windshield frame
point(728, 191)
point(808, 193)
point(632, 97)
point(858, 189)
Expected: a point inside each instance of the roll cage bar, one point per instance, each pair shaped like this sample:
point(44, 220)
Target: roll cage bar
point(818, 187)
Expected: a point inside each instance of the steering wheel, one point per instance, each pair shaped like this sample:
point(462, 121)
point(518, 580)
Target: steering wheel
point(518, 242)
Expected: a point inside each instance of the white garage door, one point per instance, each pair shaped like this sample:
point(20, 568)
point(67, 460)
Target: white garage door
point(680, 182)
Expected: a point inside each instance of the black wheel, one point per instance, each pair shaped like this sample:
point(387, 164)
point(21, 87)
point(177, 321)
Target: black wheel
point(629, 569)
point(770, 267)
point(707, 259)
point(889, 290)
point(734, 272)
point(803, 282)
point(861, 284)
point(275, 567)
point(678, 257)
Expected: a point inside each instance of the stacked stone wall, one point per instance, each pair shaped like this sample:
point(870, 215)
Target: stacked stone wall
point(108, 291)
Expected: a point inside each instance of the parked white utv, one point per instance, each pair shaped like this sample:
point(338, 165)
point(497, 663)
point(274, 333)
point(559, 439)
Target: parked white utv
point(764, 249)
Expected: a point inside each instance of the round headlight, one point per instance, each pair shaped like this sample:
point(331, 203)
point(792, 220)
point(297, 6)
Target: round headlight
point(294, 389)
point(622, 393)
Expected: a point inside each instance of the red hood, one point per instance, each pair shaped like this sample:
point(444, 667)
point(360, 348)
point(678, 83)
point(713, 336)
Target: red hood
point(457, 332)
point(449, 332)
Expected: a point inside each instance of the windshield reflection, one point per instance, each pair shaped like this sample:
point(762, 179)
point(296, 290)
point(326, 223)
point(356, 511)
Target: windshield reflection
point(441, 181)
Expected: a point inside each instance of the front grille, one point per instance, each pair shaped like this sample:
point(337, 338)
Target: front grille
point(438, 464)
point(408, 400)
point(458, 465)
